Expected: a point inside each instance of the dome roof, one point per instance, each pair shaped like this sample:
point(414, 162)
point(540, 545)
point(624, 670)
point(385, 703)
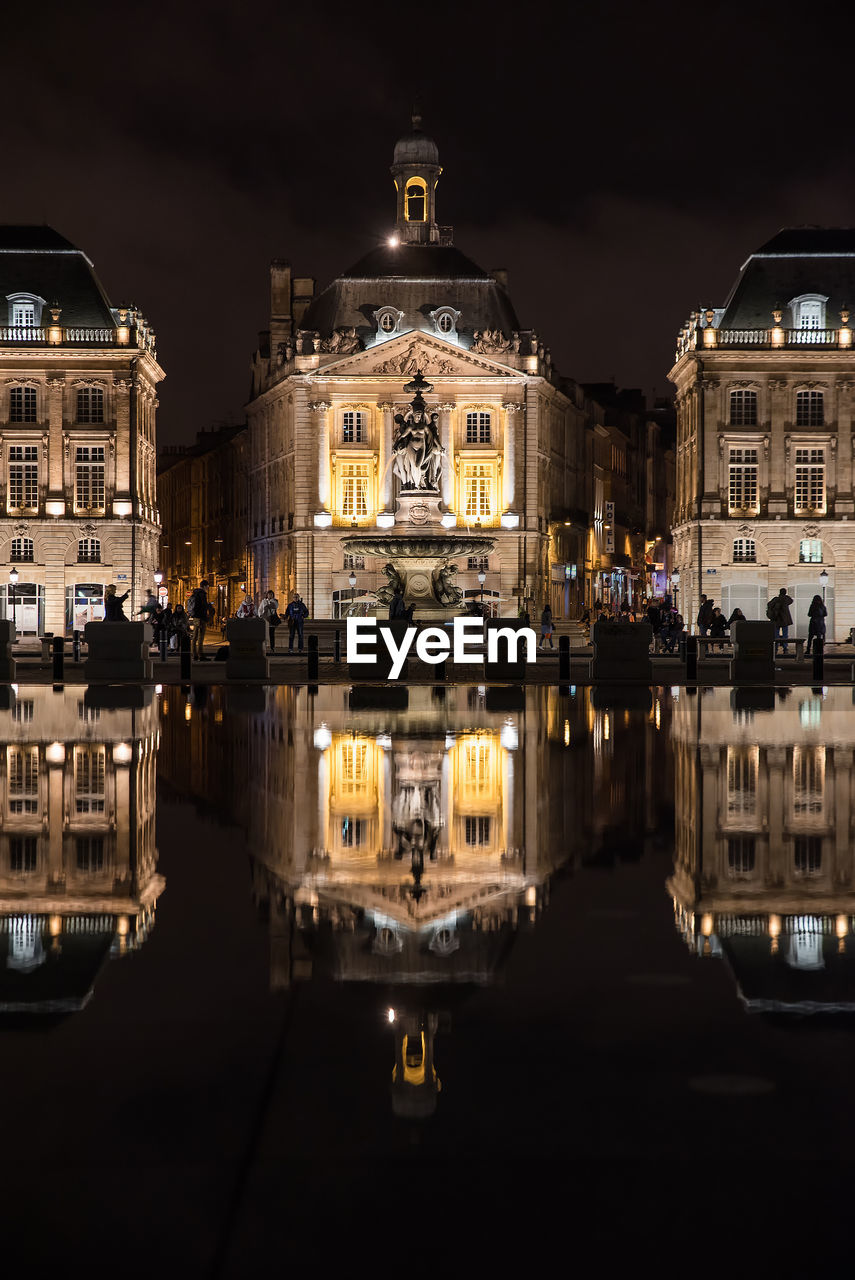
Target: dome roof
point(416, 147)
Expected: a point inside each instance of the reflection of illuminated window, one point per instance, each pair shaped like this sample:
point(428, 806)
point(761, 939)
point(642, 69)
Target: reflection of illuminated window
point(353, 832)
point(477, 768)
point(808, 780)
point(742, 769)
point(90, 854)
point(352, 776)
point(22, 765)
point(477, 831)
point(740, 855)
point(810, 712)
point(23, 854)
point(89, 779)
point(22, 712)
point(807, 855)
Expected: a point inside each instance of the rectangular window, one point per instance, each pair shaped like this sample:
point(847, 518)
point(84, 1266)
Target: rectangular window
point(353, 561)
point(22, 779)
point(808, 780)
point(22, 404)
point(810, 551)
point(810, 480)
point(22, 712)
point(478, 428)
point(477, 831)
point(477, 491)
point(23, 315)
point(23, 477)
point(89, 780)
point(355, 480)
point(740, 855)
point(807, 855)
point(742, 770)
point(354, 832)
point(90, 853)
point(23, 854)
point(743, 408)
point(810, 409)
point(90, 404)
point(89, 478)
point(353, 427)
point(478, 562)
point(742, 494)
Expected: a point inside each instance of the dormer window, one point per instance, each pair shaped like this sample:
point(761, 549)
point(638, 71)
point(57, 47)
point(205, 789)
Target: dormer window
point(445, 321)
point(387, 320)
point(415, 200)
point(25, 310)
point(809, 311)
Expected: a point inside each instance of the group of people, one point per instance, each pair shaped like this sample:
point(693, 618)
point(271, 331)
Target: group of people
point(296, 614)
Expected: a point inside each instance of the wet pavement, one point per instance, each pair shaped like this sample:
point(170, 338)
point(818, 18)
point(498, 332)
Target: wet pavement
point(283, 970)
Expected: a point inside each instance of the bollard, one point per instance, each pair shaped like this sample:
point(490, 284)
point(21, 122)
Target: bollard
point(337, 647)
point(185, 657)
point(818, 658)
point(164, 653)
point(682, 646)
point(313, 658)
point(563, 657)
point(57, 645)
point(691, 657)
point(75, 646)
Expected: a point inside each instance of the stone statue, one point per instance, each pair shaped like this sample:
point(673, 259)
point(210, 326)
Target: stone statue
point(417, 452)
point(395, 583)
point(342, 342)
point(489, 341)
point(444, 586)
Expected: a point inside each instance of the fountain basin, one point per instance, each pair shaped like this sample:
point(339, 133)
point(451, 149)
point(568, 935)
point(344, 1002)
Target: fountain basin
point(417, 560)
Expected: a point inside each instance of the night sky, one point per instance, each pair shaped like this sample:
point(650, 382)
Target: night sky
point(621, 161)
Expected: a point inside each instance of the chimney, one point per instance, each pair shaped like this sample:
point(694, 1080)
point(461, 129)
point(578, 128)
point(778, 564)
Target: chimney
point(302, 293)
point(500, 275)
point(280, 303)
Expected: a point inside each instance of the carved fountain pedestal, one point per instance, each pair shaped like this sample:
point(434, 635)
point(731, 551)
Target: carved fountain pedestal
point(418, 560)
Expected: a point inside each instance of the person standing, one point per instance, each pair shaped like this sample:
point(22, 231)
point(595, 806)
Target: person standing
point(180, 627)
point(705, 614)
point(817, 613)
point(197, 610)
point(546, 627)
point(654, 617)
point(778, 612)
point(246, 609)
point(113, 611)
point(269, 611)
point(397, 608)
point(296, 613)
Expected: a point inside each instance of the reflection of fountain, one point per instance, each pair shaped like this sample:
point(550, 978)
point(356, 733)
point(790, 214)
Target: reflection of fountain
point(419, 560)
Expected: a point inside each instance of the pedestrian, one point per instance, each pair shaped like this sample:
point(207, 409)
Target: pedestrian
point(113, 611)
point(624, 610)
point(705, 614)
point(269, 611)
point(654, 617)
point(547, 627)
point(198, 610)
point(672, 633)
point(718, 626)
point(397, 608)
point(246, 608)
point(778, 612)
point(585, 620)
point(296, 613)
point(180, 627)
point(817, 613)
point(736, 616)
point(524, 615)
point(149, 607)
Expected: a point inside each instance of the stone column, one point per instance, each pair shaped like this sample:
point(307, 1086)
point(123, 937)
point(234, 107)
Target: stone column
point(510, 440)
point(384, 495)
point(320, 411)
point(445, 411)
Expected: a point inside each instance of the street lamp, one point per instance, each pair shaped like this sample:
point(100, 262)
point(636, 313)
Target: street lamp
point(823, 582)
point(482, 578)
point(352, 581)
point(675, 582)
point(13, 582)
point(158, 578)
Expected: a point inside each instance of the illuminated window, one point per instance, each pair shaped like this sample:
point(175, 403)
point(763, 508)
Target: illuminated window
point(742, 490)
point(743, 408)
point(810, 551)
point(90, 854)
point(22, 404)
point(23, 854)
point(22, 550)
point(353, 772)
point(355, 480)
point(477, 490)
point(89, 478)
point(22, 779)
point(23, 477)
point(810, 480)
point(89, 551)
point(810, 408)
point(22, 712)
point(808, 312)
point(23, 315)
point(89, 779)
point(478, 428)
point(808, 780)
point(353, 427)
point(415, 200)
point(477, 769)
point(744, 550)
point(90, 404)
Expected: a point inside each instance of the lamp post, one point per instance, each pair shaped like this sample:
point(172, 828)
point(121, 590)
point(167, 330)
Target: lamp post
point(482, 578)
point(352, 581)
point(823, 582)
point(675, 582)
point(13, 581)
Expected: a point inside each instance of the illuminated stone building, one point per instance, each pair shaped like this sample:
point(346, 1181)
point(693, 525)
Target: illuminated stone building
point(764, 871)
point(78, 507)
point(327, 396)
point(78, 877)
point(765, 400)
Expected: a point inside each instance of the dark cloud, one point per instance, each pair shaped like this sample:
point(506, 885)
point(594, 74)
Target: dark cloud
point(621, 161)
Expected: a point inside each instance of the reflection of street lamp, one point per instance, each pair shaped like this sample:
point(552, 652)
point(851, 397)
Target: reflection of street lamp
point(352, 581)
point(675, 582)
point(823, 582)
point(13, 580)
point(482, 578)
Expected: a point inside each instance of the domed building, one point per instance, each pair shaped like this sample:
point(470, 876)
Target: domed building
point(496, 450)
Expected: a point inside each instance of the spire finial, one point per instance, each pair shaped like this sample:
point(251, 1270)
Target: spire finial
point(416, 116)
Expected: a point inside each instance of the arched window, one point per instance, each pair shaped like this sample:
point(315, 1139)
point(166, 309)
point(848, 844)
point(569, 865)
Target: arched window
point(89, 551)
point(743, 408)
point(415, 200)
point(22, 404)
point(808, 311)
point(744, 550)
point(22, 550)
point(810, 551)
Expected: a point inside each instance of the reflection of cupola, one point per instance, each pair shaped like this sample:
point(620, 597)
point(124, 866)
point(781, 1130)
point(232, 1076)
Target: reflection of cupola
point(416, 171)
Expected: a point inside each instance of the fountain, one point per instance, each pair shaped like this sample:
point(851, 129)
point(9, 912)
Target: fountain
point(418, 562)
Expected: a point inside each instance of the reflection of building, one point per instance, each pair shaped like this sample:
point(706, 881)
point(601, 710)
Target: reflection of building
point(78, 876)
point(764, 409)
point(77, 419)
point(764, 862)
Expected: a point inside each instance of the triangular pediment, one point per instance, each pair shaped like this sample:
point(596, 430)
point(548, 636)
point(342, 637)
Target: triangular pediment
point(404, 356)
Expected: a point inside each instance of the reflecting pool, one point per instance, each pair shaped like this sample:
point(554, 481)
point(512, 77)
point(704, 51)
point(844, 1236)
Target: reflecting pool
point(279, 947)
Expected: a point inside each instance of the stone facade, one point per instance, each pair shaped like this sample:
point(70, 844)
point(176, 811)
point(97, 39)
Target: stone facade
point(77, 431)
point(765, 401)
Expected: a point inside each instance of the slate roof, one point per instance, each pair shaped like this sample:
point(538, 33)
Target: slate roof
point(796, 261)
point(39, 260)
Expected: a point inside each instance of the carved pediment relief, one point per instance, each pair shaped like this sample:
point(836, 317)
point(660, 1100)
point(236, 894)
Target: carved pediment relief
point(405, 356)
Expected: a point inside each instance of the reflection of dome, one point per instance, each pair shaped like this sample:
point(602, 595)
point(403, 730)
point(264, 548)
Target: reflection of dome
point(416, 147)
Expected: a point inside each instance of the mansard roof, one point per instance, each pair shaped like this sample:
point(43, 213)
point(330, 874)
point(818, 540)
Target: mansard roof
point(38, 260)
point(415, 279)
point(796, 261)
